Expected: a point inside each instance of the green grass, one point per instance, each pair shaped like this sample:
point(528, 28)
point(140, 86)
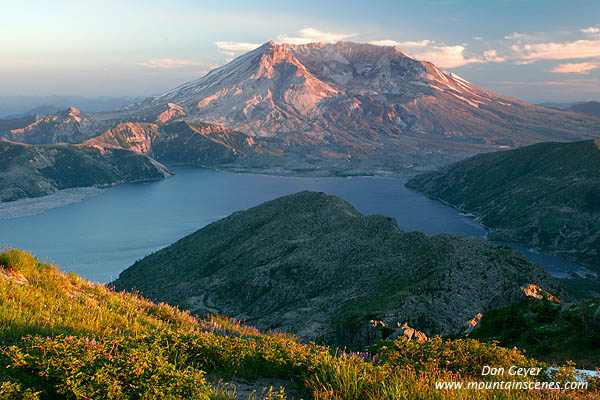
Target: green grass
point(547, 330)
point(62, 337)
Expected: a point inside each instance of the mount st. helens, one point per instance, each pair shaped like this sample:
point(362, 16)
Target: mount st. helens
point(353, 101)
point(546, 196)
point(343, 108)
point(311, 264)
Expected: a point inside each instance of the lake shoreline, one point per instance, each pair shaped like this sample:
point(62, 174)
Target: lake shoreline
point(137, 221)
point(60, 197)
point(583, 271)
point(31, 206)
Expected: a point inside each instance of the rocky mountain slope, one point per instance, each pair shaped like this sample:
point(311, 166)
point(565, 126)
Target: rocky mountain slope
point(356, 100)
point(545, 196)
point(311, 264)
point(190, 143)
point(38, 170)
point(68, 126)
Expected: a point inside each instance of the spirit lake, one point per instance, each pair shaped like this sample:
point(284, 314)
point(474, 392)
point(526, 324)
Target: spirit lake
point(98, 236)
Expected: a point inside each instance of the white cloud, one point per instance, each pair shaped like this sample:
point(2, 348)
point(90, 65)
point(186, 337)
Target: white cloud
point(237, 46)
point(524, 62)
point(227, 53)
point(492, 56)
point(309, 35)
point(516, 36)
point(443, 56)
point(559, 51)
point(580, 83)
point(447, 56)
point(576, 68)
point(390, 42)
point(591, 30)
point(172, 63)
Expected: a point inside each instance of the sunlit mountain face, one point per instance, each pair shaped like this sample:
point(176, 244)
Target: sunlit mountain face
point(341, 102)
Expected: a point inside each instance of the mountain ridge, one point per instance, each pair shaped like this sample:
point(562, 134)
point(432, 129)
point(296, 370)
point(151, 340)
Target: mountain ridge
point(311, 264)
point(38, 170)
point(336, 109)
point(545, 196)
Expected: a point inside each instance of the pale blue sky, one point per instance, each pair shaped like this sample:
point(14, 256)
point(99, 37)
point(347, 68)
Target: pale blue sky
point(545, 50)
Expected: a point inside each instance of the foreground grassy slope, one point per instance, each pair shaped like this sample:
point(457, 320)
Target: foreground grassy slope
point(62, 337)
point(546, 195)
point(38, 170)
point(547, 330)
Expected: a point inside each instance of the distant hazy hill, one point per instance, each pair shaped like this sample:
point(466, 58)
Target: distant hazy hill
point(36, 170)
point(15, 106)
point(558, 106)
point(311, 264)
point(546, 195)
point(43, 109)
point(582, 107)
point(590, 108)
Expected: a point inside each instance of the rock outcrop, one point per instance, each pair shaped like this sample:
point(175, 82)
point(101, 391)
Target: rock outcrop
point(412, 334)
point(473, 323)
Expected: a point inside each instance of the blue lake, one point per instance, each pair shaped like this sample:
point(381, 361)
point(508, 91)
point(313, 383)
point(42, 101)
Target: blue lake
point(99, 236)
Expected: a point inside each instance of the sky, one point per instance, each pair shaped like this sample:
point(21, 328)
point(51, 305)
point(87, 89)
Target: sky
point(543, 50)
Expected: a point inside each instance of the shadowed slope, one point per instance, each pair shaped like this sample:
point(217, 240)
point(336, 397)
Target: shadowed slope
point(311, 264)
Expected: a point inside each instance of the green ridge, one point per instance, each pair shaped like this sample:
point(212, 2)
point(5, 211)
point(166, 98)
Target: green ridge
point(545, 196)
